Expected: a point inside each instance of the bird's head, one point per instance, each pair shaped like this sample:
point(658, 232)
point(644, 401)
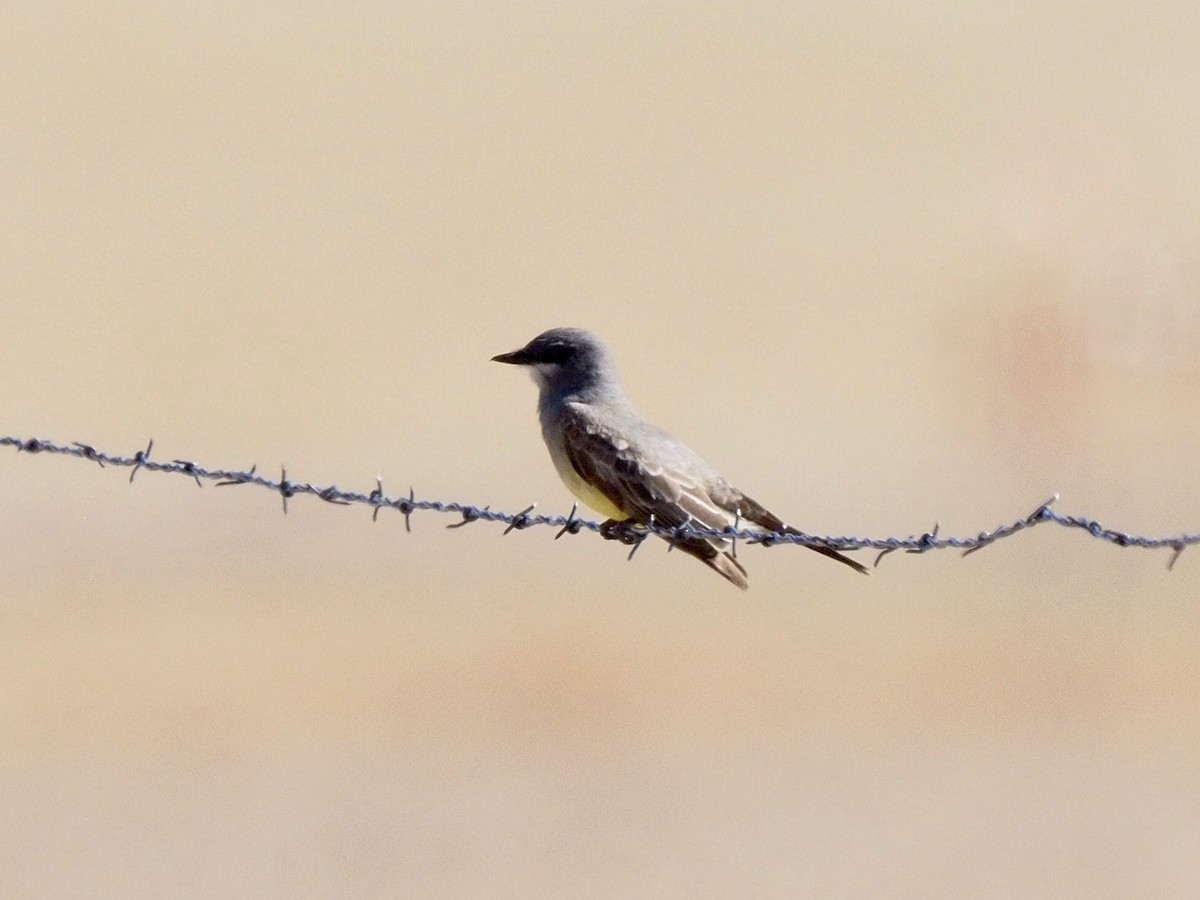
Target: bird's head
point(564, 361)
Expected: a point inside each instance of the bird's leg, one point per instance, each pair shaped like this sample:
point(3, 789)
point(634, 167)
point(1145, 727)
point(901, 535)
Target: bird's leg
point(620, 530)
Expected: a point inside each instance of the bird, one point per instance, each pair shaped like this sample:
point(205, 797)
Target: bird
point(626, 468)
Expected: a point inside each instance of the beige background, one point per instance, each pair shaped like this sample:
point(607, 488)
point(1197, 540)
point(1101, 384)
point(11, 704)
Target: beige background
point(906, 263)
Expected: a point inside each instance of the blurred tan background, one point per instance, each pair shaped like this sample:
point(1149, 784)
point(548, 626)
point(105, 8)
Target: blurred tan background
point(883, 267)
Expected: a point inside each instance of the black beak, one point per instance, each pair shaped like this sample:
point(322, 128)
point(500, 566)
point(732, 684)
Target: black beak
point(516, 358)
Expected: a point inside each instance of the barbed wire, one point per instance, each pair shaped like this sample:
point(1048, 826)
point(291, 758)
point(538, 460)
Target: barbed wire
point(573, 524)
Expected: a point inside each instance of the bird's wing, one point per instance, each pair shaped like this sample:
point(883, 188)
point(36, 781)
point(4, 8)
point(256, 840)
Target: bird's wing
point(660, 480)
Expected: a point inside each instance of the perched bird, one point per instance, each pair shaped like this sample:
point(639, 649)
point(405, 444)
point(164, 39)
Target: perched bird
point(626, 468)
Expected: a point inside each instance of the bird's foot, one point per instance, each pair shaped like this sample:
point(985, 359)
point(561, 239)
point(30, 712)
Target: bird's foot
point(623, 530)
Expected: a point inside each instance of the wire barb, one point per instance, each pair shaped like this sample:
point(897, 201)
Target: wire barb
point(189, 468)
point(1042, 513)
point(521, 519)
point(89, 452)
point(376, 498)
point(1176, 552)
point(469, 514)
point(238, 477)
point(286, 488)
point(140, 459)
point(406, 508)
point(926, 542)
point(332, 495)
point(572, 524)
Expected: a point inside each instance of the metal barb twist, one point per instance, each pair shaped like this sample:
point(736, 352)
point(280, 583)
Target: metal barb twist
point(89, 452)
point(332, 495)
point(188, 468)
point(572, 524)
point(521, 519)
point(376, 498)
point(406, 508)
point(1176, 552)
point(140, 459)
point(239, 477)
point(286, 488)
point(469, 514)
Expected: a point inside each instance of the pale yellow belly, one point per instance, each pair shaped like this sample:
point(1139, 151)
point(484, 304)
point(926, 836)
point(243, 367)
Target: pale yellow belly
point(580, 488)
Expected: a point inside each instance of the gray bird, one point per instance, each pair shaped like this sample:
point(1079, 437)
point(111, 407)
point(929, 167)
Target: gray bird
point(623, 466)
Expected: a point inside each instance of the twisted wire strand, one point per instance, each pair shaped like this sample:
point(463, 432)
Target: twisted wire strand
point(573, 524)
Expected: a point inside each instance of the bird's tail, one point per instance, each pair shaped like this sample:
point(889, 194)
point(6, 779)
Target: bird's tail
point(726, 565)
point(833, 554)
point(760, 515)
point(720, 561)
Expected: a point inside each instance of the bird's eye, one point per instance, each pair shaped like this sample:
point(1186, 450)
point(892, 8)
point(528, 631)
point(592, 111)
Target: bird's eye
point(557, 353)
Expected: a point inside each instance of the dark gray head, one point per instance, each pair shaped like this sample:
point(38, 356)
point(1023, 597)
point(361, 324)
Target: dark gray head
point(566, 361)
